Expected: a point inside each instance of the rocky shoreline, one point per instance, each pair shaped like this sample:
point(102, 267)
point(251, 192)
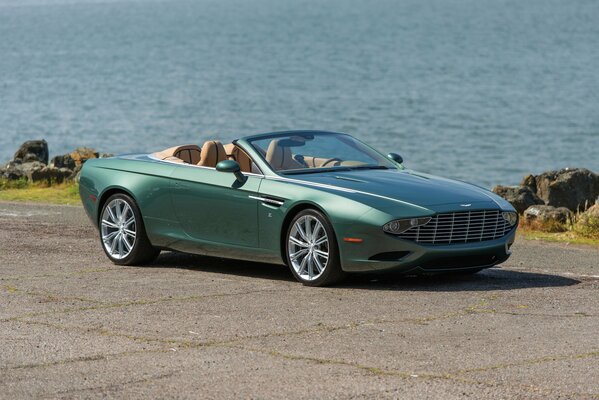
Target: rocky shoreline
point(565, 196)
point(31, 162)
point(562, 197)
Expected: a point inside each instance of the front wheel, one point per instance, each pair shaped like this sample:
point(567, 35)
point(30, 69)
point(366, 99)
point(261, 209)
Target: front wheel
point(123, 234)
point(311, 249)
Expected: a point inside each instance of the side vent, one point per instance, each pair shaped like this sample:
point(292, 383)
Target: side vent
point(269, 201)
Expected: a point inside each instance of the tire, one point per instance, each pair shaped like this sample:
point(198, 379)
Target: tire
point(311, 249)
point(122, 232)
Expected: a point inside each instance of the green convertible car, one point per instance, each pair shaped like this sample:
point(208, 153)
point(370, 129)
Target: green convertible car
point(323, 203)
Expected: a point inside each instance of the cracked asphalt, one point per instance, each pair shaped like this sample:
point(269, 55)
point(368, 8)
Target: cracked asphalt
point(73, 325)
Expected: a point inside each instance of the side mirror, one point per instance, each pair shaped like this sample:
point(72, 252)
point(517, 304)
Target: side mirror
point(231, 166)
point(395, 157)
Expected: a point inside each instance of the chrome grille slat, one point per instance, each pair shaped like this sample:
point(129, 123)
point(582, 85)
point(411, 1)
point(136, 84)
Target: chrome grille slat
point(459, 227)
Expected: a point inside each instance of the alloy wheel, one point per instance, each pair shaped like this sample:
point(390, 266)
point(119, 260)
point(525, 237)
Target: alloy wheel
point(308, 248)
point(119, 228)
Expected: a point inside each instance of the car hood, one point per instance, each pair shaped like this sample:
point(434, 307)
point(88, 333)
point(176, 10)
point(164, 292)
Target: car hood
point(407, 186)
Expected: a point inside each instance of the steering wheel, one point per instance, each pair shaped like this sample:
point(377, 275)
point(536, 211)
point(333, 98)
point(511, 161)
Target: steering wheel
point(300, 159)
point(330, 160)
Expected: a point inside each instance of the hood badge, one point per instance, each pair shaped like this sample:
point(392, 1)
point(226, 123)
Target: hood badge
point(465, 205)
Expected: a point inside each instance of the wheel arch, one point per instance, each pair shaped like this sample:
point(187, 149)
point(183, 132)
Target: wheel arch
point(106, 195)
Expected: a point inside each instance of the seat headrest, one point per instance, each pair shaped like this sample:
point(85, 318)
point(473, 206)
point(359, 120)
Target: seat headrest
point(280, 157)
point(212, 152)
point(189, 153)
point(277, 155)
point(235, 153)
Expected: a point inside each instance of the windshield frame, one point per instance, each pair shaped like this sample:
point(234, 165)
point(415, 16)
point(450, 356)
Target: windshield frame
point(250, 141)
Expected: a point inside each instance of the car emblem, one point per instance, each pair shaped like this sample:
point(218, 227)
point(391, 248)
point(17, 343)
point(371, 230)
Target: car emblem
point(465, 205)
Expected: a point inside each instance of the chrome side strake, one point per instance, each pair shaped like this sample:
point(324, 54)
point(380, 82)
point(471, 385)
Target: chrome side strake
point(267, 200)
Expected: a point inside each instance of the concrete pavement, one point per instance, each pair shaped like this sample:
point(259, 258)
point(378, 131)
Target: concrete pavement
point(73, 325)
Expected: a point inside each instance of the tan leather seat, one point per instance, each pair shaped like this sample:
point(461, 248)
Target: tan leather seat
point(212, 152)
point(235, 153)
point(189, 153)
point(174, 159)
point(280, 157)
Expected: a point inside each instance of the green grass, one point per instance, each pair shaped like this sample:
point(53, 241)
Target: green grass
point(579, 231)
point(22, 190)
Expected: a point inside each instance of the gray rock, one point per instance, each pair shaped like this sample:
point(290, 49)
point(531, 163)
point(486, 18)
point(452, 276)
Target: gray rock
point(544, 213)
point(81, 154)
point(63, 161)
point(49, 174)
point(575, 189)
point(530, 181)
point(591, 214)
point(520, 197)
point(17, 170)
point(32, 150)
point(12, 170)
point(75, 174)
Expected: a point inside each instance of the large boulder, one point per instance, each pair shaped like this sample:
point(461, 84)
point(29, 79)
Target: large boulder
point(548, 214)
point(530, 181)
point(575, 189)
point(588, 222)
point(82, 154)
point(32, 150)
point(520, 197)
point(63, 161)
point(49, 174)
point(17, 170)
point(12, 170)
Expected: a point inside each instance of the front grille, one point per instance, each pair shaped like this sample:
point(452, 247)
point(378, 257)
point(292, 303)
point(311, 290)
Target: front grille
point(460, 227)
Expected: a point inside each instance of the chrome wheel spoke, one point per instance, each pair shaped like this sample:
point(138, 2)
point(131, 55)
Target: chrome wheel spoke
point(322, 254)
point(301, 232)
point(302, 265)
point(129, 232)
point(298, 242)
point(119, 210)
point(109, 237)
point(128, 246)
point(321, 241)
point(318, 264)
point(113, 245)
point(308, 228)
point(317, 228)
point(298, 254)
point(121, 245)
point(111, 214)
point(109, 224)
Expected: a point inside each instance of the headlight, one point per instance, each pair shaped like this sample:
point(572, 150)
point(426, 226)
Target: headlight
point(401, 225)
point(510, 217)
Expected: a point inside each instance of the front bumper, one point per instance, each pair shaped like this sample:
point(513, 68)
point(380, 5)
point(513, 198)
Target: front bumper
point(380, 251)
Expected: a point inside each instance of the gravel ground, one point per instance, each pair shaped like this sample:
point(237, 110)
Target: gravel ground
point(73, 325)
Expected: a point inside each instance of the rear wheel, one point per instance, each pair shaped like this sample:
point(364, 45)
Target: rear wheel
point(123, 234)
point(311, 249)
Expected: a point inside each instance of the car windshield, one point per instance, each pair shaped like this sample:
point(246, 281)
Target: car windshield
point(308, 152)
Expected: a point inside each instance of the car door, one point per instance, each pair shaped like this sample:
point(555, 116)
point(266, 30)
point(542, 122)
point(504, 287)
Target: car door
point(213, 206)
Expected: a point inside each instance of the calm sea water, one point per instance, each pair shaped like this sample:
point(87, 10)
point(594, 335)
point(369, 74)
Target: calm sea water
point(481, 90)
